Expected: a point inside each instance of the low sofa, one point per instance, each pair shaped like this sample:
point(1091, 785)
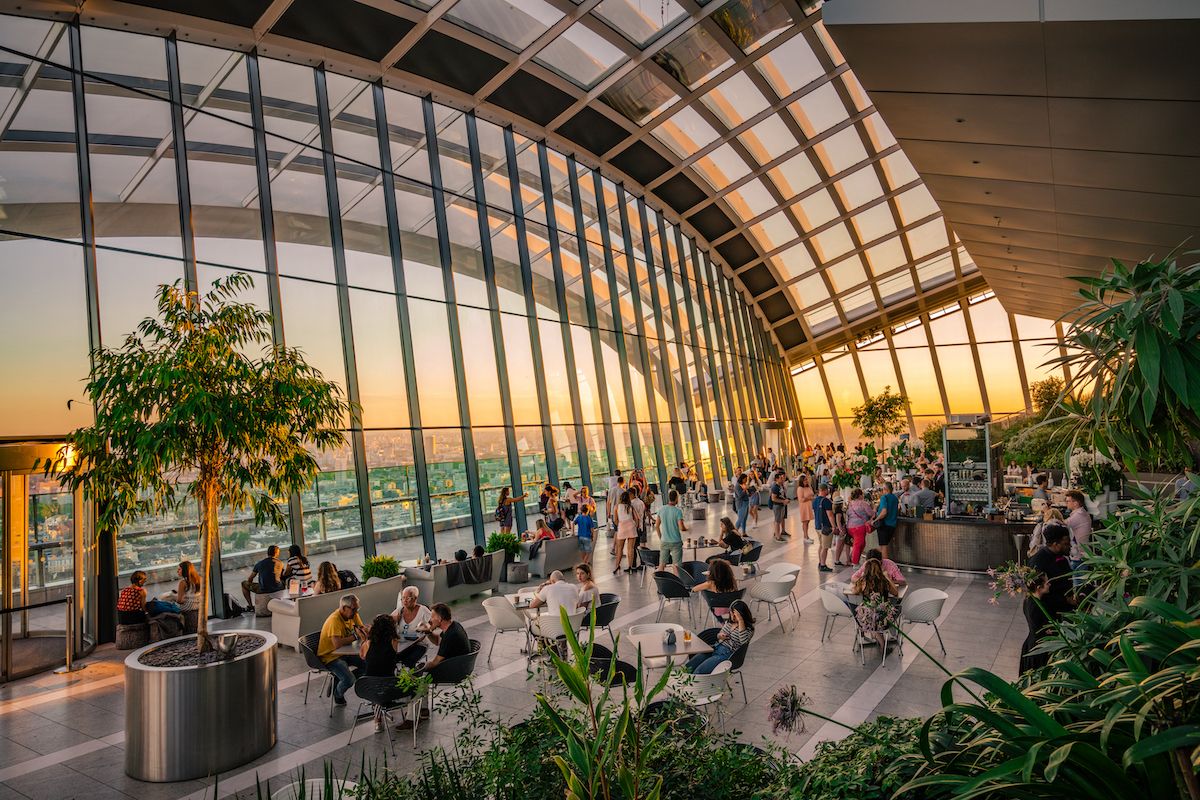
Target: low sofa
point(561, 553)
point(291, 619)
point(434, 580)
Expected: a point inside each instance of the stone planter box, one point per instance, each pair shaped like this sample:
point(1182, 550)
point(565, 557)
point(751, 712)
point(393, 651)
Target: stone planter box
point(190, 722)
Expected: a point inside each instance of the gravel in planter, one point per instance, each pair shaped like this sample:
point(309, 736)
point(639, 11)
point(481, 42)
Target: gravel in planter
point(183, 653)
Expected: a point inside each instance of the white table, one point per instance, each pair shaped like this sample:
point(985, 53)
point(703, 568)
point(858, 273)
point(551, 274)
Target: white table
point(652, 646)
point(855, 599)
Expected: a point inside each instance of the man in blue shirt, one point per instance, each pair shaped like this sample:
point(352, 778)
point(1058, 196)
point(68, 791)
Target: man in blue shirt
point(584, 527)
point(823, 517)
point(889, 510)
point(670, 531)
point(266, 577)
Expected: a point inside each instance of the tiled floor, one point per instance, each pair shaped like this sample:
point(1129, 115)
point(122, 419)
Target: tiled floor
point(62, 737)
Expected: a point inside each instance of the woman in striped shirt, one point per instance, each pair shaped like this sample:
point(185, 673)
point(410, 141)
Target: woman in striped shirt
point(297, 566)
point(736, 633)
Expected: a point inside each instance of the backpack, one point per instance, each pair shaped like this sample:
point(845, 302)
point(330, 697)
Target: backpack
point(348, 579)
point(500, 513)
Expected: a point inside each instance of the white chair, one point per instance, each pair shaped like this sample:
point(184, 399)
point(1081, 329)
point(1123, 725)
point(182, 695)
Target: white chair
point(546, 628)
point(834, 603)
point(774, 592)
point(656, 629)
point(504, 618)
point(704, 691)
point(784, 568)
point(923, 607)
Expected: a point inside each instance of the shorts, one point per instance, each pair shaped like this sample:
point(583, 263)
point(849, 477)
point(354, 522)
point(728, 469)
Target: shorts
point(585, 543)
point(826, 537)
point(252, 587)
point(571, 510)
point(670, 553)
point(780, 512)
point(886, 532)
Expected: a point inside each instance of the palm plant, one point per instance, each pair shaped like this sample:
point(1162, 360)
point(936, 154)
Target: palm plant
point(1133, 352)
point(182, 410)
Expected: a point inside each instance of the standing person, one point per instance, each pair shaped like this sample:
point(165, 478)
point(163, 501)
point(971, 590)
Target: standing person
point(587, 503)
point(627, 523)
point(638, 499)
point(770, 458)
point(1051, 561)
point(1079, 521)
point(585, 529)
point(1050, 516)
point(888, 517)
point(1038, 621)
point(297, 566)
point(670, 531)
point(754, 486)
point(554, 516)
point(823, 514)
point(858, 523)
point(616, 485)
point(804, 496)
point(504, 509)
point(779, 505)
point(842, 541)
point(343, 627)
point(265, 578)
point(741, 501)
point(570, 505)
point(1040, 492)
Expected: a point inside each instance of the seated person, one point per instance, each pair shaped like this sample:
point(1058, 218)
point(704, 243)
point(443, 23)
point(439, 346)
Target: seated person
point(730, 539)
point(411, 618)
point(478, 552)
point(327, 579)
point(297, 566)
point(556, 593)
point(543, 531)
point(266, 577)
point(873, 586)
point(460, 555)
point(589, 593)
point(380, 651)
point(449, 636)
point(720, 579)
point(737, 632)
point(889, 568)
point(131, 602)
point(343, 627)
point(702, 493)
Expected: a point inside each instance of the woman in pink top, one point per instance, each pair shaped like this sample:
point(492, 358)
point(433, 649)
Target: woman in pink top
point(859, 514)
point(889, 568)
point(804, 496)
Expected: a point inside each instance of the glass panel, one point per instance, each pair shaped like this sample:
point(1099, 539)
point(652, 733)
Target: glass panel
point(769, 140)
point(310, 317)
point(685, 132)
point(794, 261)
point(380, 360)
point(790, 66)
point(640, 96)
point(841, 151)
point(332, 525)
point(752, 23)
point(300, 210)
point(597, 452)
point(819, 110)
point(128, 287)
point(491, 454)
point(958, 374)
point(874, 223)
point(878, 370)
point(581, 54)
point(859, 187)
point(393, 482)
point(794, 176)
point(554, 360)
point(479, 361)
point(533, 463)
point(418, 241)
point(735, 100)
point(566, 453)
point(917, 203)
point(522, 377)
point(692, 58)
point(434, 363)
point(844, 386)
point(920, 382)
point(640, 22)
point(35, 276)
point(515, 23)
point(936, 271)
point(448, 493)
point(886, 256)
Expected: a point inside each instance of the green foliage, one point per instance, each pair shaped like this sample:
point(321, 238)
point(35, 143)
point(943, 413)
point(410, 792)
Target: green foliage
point(1043, 443)
point(1045, 394)
point(1134, 358)
point(869, 764)
point(932, 438)
point(380, 567)
point(411, 681)
point(183, 409)
point(881, 415)
point(508, 542)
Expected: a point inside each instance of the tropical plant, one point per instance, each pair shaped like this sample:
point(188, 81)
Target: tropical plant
point(380, 567)
point(900, 458)
point(869, 764)
point(932, 438)
point(1045, 393)
point(1133, 353)
point(183, 410)
point(508, 542)
point(411, 681)
point(881, 415)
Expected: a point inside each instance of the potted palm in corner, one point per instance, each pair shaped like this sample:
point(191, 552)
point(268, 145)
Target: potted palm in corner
point(185, 408)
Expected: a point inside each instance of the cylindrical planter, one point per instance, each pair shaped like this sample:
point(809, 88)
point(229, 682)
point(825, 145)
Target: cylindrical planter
point(190, 722)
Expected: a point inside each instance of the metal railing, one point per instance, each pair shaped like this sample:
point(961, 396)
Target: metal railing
point(68, 632)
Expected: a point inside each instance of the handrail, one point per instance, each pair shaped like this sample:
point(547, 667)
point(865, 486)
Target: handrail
point(32, 606)
point(68, 633)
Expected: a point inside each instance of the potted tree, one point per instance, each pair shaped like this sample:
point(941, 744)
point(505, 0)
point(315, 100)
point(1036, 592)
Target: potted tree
point(185, 408)
point(881, 415)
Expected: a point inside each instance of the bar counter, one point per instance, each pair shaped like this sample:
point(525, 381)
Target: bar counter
point(969, 544)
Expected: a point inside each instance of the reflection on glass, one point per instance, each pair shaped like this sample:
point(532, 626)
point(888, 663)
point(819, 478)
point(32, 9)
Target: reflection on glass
point(393, 486)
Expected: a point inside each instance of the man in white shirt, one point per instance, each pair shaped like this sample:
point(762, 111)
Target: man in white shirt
point(1080, 523)
point(556, 593)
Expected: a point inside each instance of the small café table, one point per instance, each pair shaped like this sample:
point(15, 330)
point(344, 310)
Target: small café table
point(652, 645)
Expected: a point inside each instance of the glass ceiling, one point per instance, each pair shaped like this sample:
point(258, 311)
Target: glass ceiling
point(791, 175)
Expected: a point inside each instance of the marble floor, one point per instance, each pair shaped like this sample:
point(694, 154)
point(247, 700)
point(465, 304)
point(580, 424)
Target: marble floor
point(62, 737)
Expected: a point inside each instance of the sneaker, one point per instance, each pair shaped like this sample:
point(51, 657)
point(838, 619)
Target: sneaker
point(823, 568)
point(379, 725)
point(339, 701)
point(808, 541)
point(424, 713)
point(838, 564)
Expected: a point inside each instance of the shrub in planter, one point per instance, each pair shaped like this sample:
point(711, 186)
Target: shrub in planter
point(869, 764)
point(508, 542)
point(380, 567)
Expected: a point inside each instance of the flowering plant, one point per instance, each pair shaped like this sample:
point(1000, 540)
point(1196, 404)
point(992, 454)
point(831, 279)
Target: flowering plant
point(900, 458)
point(1096, 473)
point(787, 710)
point(1011, 579)
point(877, 614)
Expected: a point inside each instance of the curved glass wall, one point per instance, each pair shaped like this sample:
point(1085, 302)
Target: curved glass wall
point(503, 315)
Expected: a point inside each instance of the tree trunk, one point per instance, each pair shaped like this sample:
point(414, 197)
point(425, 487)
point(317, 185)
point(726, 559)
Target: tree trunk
point(208, 534)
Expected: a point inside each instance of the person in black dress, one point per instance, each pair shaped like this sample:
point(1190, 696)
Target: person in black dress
point(380, 652)
point(1038, 622)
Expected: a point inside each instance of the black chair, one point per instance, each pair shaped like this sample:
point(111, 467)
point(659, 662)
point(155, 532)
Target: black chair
point(709, 637)
point(720, 600)
point(734, 558)
point(453, 671)
point(381, 695)
point(751, 557)
point(647, 558)
point(307, 646)
point(606, 612)
point(670, 587)
point(694, 570)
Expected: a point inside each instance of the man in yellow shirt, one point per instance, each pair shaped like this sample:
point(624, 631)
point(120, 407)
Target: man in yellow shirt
point(343, 627)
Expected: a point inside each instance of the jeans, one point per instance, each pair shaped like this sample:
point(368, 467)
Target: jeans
point(343, 677)
point(705, 663)
point(1078, 572)
point(859, 535)
point(743, 509)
